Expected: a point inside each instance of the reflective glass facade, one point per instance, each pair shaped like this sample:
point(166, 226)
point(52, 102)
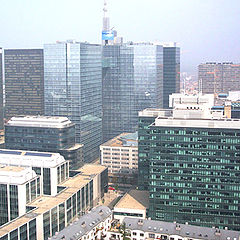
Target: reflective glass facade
point(148, 76)
point(194, 175)
point(171, 73)
point(73, 88)
point(24, 93)
point(1, 91)
point(118, 91)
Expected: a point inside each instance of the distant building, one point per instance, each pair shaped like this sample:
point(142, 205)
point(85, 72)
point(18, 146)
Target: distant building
point(218, 77)
point(120, 155)
point(118, 91)
point(73, 89)
point(24, 92)
point(149, 229)
point(24, 174)
point(1, 91)
point(171, 71)
point(134, 204)
point(191, 165)
point(44, 134)
point(94, 225)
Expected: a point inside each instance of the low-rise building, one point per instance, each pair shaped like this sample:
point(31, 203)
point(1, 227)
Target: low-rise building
point(44, 215)
point(53, 168)
point(120, 155)
point(93, 225)
point(44, 134)
point(18, 186)
point(133, 204)
point(141, 229)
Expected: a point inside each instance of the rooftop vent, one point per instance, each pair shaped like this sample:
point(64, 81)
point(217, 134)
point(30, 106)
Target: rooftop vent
point(101, 212)
point(140, 222)
point(83, 224)
point(217, 232)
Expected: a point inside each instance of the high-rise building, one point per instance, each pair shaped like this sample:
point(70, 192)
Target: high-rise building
point(118, 91)
point(171, 71)
point(73, 88)
point(192, 163)
point(148, 76)
point(44, 134)
point(218, 77)
point(24, 93)
point(1, 91)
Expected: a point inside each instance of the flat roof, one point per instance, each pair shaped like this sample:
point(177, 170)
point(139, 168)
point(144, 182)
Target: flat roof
point(4, 168)
point(134, 199)
point(183, 230)
point(46, 203)
point(198, 123)
point(121, 141)
point(91, 169)
point(16, 175)
point(30, 158)
point(40, 121)
point(8, 227)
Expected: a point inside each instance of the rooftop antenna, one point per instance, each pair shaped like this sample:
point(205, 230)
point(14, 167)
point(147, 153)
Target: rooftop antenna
point(106, 24)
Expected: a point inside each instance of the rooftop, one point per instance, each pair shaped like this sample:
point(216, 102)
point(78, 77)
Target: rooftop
point(183, 230)
point(45, 203)
point(16, 175)
point(134, 199)
point(123, 140)
point(198, 123)
point(85, 224)
point(91, 169)
point(40, 121)
point(30, 158)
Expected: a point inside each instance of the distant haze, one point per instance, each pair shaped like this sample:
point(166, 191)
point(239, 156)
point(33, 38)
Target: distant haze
point(207, 30)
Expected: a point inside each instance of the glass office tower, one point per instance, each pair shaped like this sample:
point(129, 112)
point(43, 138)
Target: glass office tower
point(118, 91)
point(148, 76)
point(24, 93)
point(1, 91)
point(73, 88)
point(171, 72)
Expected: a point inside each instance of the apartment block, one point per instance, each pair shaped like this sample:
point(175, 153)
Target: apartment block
point(149, 229)
point(219, 77)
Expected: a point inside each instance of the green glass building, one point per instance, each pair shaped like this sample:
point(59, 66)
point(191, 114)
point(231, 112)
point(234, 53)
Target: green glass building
point(193, 170)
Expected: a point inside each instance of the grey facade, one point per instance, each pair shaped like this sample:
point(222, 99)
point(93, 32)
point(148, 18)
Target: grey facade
point(219, 77)
point(73, 88)
point(24, 93)
point(1, 91)
point(36, 134)
point(118, 90)
point(171, 72)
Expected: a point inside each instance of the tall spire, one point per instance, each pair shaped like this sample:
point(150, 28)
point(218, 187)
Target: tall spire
point(106, 24)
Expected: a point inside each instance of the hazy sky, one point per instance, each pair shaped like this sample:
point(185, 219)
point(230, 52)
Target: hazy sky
point(207, 30)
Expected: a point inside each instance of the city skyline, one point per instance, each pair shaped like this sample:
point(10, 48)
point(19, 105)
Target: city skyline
point(208, 29)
